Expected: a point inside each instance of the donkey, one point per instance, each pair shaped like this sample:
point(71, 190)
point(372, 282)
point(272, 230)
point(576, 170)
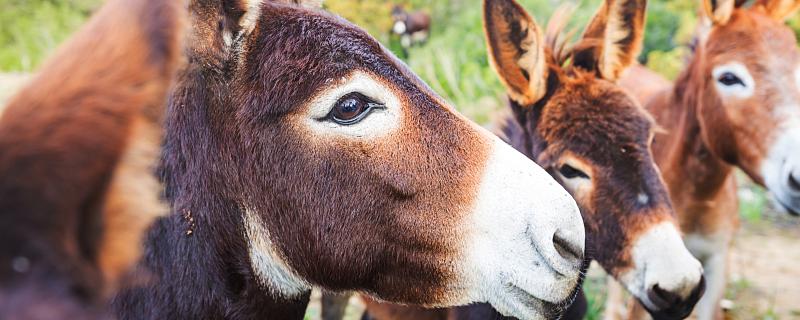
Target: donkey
point(296, 144)
point(735, 105)
point(78, 149)
point(572, 119)
point(412, 27)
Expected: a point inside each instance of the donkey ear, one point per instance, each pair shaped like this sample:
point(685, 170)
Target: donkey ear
point(314, 4)
point(718, 11)
point(516, 50)
point(246, 12)
point(613, 39)
point(779, 9)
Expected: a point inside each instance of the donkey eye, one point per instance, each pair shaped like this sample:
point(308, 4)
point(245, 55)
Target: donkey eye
point(730, 79)
point(352, 108)
point(570, 172)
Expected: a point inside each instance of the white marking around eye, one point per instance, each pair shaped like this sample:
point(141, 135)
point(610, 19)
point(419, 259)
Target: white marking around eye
point(378, 123)
point(735, 91)
point(577, 186)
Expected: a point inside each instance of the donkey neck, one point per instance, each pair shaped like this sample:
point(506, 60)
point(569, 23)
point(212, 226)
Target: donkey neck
point(197, 264)
point(690, 167)
point(518, 128)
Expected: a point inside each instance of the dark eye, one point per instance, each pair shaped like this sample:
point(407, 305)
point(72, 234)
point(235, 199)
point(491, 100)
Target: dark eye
point(730, 79)
point(570, 172)
point(352, 108)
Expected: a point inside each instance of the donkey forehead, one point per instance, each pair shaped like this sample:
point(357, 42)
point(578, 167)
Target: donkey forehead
point(596, 115)
point(292, 53)
point(753, 37)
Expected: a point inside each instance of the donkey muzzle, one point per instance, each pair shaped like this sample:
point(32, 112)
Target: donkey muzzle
point(671, 305)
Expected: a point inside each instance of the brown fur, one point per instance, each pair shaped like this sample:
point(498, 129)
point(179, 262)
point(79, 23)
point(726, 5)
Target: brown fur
point(647, 83)
point(582, 118)
point(704, 139)
point(70, 153)
point(386, 216)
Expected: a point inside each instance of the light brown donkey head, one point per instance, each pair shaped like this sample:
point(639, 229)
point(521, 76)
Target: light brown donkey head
point(307, 155)
point(745, 80)
point(574, 121)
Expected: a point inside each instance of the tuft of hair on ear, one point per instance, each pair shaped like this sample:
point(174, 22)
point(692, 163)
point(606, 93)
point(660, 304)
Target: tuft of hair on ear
point(252, 8)
point(779, 9)
point(310, 4)
point(613, 39)
point(313, 4)
point(718, 11)
point(516, 50)
point(558, 40)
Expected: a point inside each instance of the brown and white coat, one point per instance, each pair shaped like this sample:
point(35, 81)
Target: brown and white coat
point(300, 153)
point(572, 119)
point(734, 106)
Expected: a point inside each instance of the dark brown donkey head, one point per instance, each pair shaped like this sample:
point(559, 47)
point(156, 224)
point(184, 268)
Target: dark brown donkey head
point(78, 149)
point(575, 122)
point(745, 80)
point(299, 152)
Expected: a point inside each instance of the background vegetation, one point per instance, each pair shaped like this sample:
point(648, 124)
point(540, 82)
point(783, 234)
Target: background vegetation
point(453, 62)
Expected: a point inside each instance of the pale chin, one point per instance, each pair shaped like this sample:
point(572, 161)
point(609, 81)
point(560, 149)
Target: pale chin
point(679, 273)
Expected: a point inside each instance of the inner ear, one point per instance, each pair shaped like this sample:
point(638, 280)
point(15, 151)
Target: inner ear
point(718, 11)
point(245, 13)
point(779, 9)
point(613, 39)
point(516, 50)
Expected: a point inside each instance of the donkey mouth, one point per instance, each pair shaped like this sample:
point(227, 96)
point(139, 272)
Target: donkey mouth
point(559, 310)
point(669, 306)
point(790, 209)
point(524, 305)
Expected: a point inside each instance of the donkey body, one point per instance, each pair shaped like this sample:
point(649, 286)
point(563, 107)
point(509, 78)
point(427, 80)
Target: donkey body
point(589, 134)
point(735, 105)
point(412, 27)
point(78, 149)
point(296, 145)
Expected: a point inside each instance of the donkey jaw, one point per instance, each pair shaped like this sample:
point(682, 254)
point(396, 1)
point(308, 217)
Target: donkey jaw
point(273, 273)
point(665, 276)
point(781, 170)
point(519, 215)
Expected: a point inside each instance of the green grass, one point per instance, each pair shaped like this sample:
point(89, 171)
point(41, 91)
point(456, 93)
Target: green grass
point(752, 202)
point(595, 290)
point(454, 62)
point(32, 29)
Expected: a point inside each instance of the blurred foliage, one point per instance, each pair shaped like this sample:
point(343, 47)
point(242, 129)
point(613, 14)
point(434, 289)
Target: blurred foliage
point(31, 29)
point(752, 202)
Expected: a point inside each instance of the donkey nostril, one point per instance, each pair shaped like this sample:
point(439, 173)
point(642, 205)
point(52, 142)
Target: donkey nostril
point(793, 183)
point(661, 298)
point(566, 249)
